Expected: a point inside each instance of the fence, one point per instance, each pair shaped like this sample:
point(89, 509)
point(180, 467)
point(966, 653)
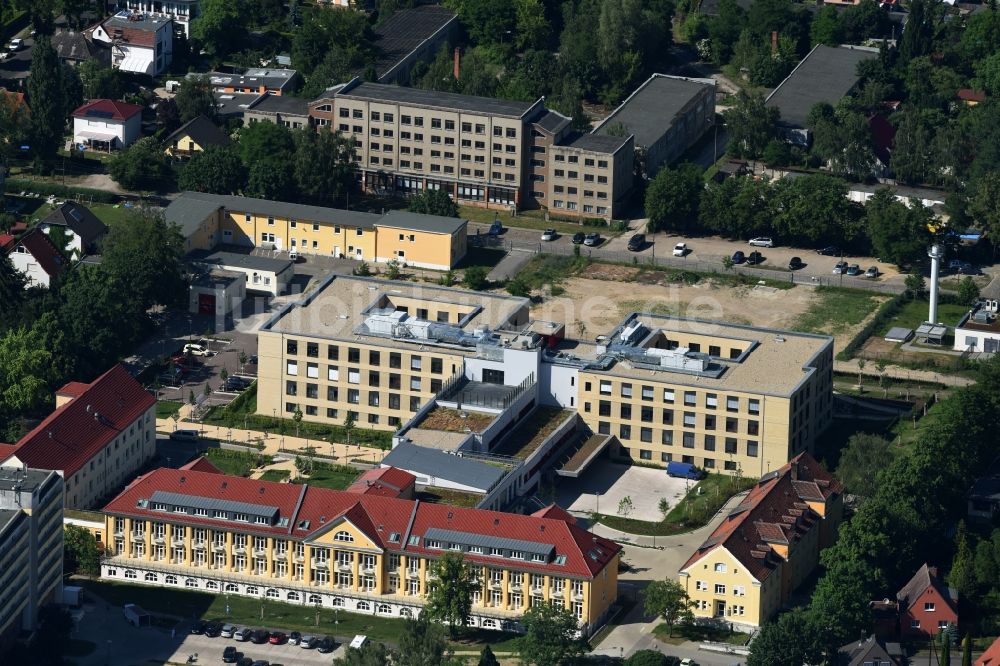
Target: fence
point(696, 266)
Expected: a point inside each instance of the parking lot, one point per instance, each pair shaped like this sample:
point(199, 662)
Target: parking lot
point(121, 644)
point(603, 486)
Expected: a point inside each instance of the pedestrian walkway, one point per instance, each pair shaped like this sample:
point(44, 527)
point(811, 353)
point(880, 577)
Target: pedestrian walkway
point(274, 444)
point(897, 372)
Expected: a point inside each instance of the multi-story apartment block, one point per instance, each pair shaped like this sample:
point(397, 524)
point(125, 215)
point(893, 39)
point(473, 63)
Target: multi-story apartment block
point(766, 547)
point(99, 436)
point(589, 175)
point(181, 11)
point(333, 353)
point(31, 546)
point(427, 241)
point(725, 397)
point(360, 553)
point(482, 151)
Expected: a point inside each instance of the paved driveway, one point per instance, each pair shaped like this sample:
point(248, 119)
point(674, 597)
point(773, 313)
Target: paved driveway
point(605, 484)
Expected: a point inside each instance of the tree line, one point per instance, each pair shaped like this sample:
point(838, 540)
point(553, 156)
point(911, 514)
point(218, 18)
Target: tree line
point(86, 321)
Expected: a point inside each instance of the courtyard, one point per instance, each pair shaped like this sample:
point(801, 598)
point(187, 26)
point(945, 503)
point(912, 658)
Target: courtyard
point(605, 484)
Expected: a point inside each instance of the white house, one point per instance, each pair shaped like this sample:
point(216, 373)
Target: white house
point(979, 329)
point(105, 124)
point(36, 256)
point(140, 43)
point(181, 11)
point(80, 226)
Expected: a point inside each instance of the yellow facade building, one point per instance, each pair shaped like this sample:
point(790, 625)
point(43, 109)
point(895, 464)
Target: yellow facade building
point(746, 571)
point(194, 137)
point(412, 239)
point(360, 553)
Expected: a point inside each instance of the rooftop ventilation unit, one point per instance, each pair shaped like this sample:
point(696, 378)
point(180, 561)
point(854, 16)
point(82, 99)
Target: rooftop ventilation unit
point(679, 359)
point(631, 333)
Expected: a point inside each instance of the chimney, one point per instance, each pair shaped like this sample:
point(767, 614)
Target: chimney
point(774, 42)
point(932, 571)
point(458, 63)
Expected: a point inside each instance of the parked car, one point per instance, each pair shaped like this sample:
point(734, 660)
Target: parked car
point(184, 435)
point(244, 661)
point(261, 662)
point(259, 636)
point(196, 350)
point(755, 258)
point(684, 471)
point(795, 263)
point(762, 241)
point(359, 641)
point(829, 251)
point(213, 629)
point(637, 242)
point(16, 44)
point(228, 630)
point(199, 627)
point(872, 272)
point(230, 655)
point(135, 615)
point(326, 645)
point(235, 384)
point(593, 239)
point(853, 270)
point(308, 642)
point(243, 635)
point(277, 638)
point(739, 257)
point(968, 269)
point(579, 237)
point(955, 264)
point(680, 250)
point(549, 235)
point(840, 268)
point(294, 638)
point(688, 662)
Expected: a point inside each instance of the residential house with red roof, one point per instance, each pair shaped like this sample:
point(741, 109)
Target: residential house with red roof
point(35, 255)
point(141, 43)
point(926, 605)
point(992, 655)
point(766, 547)
point(98, 438)
point(363, 553)
point(385, 481)
point(107, 124)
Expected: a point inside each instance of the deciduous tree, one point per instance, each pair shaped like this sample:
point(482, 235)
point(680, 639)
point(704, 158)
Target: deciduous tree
point(81, 554)
point(668, 599)
point(672, 198)
point(861, 461)
point(751, 125)
point(449, 598)
point(550, 636)
point(195, 98)
point(47, 102)
point(217, 169)
point(141, 166)
point(434, 202)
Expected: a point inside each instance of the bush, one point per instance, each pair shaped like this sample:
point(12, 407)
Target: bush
point(15, 185)
point(518, 287)
point(475, 278)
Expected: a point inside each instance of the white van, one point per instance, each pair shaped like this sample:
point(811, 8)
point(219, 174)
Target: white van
point(359, 642)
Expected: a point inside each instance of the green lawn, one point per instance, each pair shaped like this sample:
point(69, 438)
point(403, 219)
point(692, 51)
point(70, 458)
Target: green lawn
point(530, 219)
point(914, 313)
point(247, 612)
point(277, 475)
point(837, 310)
point(167, 408)
point(335, 477)
point(695, 510)
point(237, 463)
point(448, 496)
point(699, 633)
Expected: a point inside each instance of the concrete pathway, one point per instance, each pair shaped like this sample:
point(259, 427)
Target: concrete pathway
point(274, 444)
point(897, 372)
point(509, 266)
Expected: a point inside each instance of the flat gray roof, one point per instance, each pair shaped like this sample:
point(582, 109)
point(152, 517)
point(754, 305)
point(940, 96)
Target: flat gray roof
point(231, 104)
point(826, 74)
point(188, 212)
point(26, 479)
point(432, 99)
point(553, 121)
point(654, 106)
point(281, 104)
point(598, 143)
point(223, 259)
point(438, 224)
point(434, 463)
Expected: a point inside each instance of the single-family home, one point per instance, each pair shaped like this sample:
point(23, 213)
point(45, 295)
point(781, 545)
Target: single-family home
point(140, 43)
point(181, 11)
point(991, 657)
point(926, 605)
point(870, 652)
point(81, 227)
point(195, 136)
point(35, 255)
point(74, 47)
point(107, 124)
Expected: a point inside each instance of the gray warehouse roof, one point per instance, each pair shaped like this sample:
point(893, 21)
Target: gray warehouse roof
point(420, 222)
point(281, 104)
point(223, 259)
point(826, 74)
point(379, 92)
point(650, 111)
point(188, 212)
point(431, 462)
point(598, 143)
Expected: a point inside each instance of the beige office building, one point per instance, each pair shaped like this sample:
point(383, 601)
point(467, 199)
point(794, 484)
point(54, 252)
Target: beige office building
point(370, 347)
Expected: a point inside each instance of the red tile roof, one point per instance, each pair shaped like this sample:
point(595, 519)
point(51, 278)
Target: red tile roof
point(202, 464)
point(970, 95)
point(7, 450)
point(992, 655)
point(555, 512)
point(44, 251)
point(385, 481)
point(72, 389)
point(773, 512)
point(924, 578)
point(5, 240)
point(75, 432)
point(117, 110)
point(378, 517)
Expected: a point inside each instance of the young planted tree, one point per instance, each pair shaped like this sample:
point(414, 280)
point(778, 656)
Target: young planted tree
point(664, 507)
point(297, 417)
point(668, 599)
point(625, 506)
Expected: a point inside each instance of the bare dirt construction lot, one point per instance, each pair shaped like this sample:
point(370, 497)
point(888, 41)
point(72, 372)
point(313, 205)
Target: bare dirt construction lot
point(608, 293)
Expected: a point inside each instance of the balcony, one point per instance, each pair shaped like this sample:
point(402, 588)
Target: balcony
point(239, 549)
point(200, 545)
point(413, 573)
point(138, 536)
point(368, 568)
point(496, 584)
point(158, 538)
point(577, 595)
point(345, 566)
point(539, 591)
point(321, 564)
point(514, 587)
point(300, 557)
point(218, 545)
point(177, 540)
point(259, 552)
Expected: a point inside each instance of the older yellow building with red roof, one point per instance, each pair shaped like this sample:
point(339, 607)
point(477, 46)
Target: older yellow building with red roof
point(766, 547)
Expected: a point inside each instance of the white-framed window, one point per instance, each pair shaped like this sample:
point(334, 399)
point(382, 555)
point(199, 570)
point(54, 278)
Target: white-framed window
point(929, 607)
point(333, 373)
point(720, 567)
point(292, 368)
point(700, 585)
point(312, 370)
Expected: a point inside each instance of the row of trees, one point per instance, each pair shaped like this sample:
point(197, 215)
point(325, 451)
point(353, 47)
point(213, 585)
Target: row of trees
point(85, 322)
point(895, 529)
point(809, 210)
